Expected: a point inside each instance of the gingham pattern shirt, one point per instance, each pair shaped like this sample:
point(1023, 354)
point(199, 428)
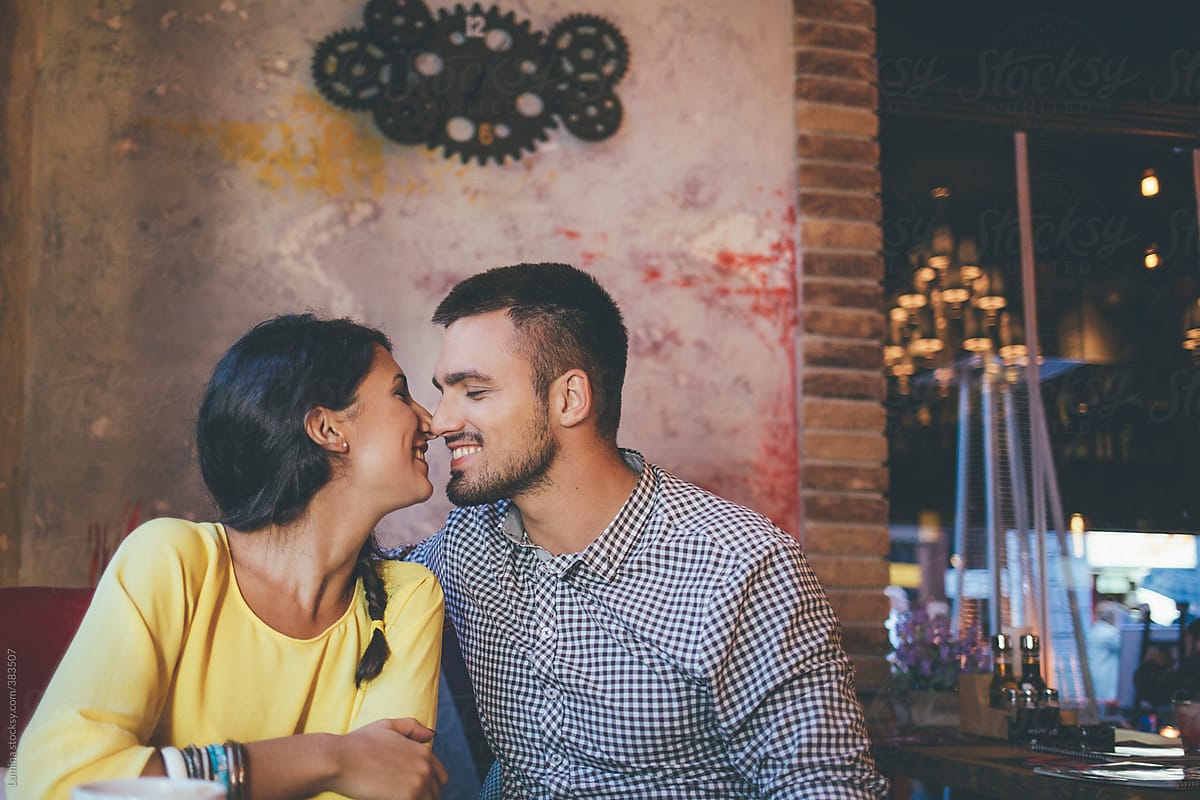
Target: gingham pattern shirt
point(688, 652)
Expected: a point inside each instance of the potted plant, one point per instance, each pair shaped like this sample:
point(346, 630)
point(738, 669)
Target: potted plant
point(929, 658)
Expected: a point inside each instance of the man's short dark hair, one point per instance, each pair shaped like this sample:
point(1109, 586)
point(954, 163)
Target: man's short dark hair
point(564, 320)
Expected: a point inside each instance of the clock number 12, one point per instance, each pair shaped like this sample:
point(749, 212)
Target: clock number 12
point(475, 26)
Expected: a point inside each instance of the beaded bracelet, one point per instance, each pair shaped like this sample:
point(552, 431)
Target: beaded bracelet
point(218, 765)
point(236, 756)
point(224, 764)
point(174, 762)
point(191, 757)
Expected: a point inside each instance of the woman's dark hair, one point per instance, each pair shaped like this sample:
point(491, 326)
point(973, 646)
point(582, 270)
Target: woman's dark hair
point(258, 462)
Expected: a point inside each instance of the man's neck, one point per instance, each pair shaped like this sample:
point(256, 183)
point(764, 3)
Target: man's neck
point(586, 490)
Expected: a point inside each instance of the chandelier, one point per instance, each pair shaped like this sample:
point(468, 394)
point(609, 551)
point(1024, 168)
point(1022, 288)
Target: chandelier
point(952, 308)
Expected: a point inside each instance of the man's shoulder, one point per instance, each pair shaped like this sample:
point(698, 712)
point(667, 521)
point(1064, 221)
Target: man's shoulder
point(742, 532)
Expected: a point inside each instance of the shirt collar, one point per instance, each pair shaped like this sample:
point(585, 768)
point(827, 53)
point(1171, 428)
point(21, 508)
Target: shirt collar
point(612, 547)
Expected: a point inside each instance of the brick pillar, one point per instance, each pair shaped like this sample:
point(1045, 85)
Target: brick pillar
point(18, 74)
point(843, 446)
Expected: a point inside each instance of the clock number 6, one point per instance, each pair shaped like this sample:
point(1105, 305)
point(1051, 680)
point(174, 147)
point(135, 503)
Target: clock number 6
point(475, 25)
point(486, 136)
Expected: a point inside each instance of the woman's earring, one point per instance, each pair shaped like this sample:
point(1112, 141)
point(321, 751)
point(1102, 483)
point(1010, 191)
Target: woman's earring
point(345, 445)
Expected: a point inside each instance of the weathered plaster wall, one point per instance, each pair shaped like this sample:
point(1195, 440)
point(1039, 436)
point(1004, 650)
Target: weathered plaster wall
point(187, 180)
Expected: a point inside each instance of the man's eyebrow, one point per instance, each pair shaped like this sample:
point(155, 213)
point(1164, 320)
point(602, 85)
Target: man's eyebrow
point(454, 378)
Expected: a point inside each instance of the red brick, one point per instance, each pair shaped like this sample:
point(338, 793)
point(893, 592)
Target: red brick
point(860, 94)
point(838, 204)
point(850, 571)
point(846, 508)
point(855, 540)
point(865, 638)
point(843, 177)
point(816, 263)
point(837, 148)
point(844, 415)
point(836, 37)
point(845, 478)
point(843, 322)
point(859, 605)
point(850, 13)
point(836, 65)
point(841, 233)
point(869, 447)
point(847, 354)
point(844, 384)
point(842, 294)
point(838, 119)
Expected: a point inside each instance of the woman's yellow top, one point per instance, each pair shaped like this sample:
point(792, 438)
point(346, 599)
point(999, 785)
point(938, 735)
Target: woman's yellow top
point(169, 653)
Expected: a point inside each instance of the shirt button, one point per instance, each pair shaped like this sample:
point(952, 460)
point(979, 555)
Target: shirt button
point(555, 759)
point(551, 693)
point(547, 632)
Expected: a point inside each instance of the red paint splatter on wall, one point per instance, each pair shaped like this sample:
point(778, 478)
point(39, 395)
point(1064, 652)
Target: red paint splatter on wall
point(567, 233)
point(760, 286)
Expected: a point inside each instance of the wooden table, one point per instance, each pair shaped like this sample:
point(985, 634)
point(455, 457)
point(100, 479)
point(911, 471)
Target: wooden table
point(988, 769)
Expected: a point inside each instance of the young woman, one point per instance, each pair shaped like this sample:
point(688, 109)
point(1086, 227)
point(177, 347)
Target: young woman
point(271, 650)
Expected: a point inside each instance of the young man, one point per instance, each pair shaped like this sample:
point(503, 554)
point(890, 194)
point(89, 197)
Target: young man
point(627, 634)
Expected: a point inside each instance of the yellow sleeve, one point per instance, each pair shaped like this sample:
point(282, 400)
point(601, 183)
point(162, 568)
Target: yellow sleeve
point(408, 684)
point(107, 694)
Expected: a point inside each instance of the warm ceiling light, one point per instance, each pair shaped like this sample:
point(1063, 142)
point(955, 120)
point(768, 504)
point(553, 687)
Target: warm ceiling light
point(1152, 260)
point(1077, 524)
point(1149, 183)
point(968, 259)
point(991, 290)
point(911, 300)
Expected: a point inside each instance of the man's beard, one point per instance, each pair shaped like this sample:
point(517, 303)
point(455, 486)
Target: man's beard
point(525, 472)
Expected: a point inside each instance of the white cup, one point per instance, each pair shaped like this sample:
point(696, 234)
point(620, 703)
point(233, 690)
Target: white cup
point(149, 789)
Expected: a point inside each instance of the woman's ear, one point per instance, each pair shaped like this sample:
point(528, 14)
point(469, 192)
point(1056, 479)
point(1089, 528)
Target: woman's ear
point(323, 428)
point(571, 398)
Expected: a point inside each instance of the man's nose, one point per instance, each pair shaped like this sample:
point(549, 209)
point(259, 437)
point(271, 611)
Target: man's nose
point(445, 420)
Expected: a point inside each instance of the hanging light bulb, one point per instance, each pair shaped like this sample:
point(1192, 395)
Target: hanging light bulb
point(990, 290)
point(968, 260)
point(893, 350)
point(975, 338)
point(923, 274)
point(942, 241)
point(1152, 260)
point(1191, 321)
point(925, 342)
point(1012, 339)
point(954, 290)
point(911, 300)
point(1149, 183)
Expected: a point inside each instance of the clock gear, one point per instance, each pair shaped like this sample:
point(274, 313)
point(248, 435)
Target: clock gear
point(479, 84)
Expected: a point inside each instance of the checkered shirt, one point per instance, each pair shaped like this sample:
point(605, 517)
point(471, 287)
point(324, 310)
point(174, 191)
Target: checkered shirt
point(688, 652)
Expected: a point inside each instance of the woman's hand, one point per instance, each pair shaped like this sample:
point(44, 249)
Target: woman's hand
point(388, 760)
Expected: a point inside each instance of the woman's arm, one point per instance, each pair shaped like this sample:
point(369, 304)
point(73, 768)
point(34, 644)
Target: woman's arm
point(388, 760)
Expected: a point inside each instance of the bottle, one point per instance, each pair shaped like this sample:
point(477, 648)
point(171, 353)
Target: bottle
point(1031, 666)
point(1002, 672)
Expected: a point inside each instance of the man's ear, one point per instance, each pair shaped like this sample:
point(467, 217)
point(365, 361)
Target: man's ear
point(323, 427)
point(571, 398)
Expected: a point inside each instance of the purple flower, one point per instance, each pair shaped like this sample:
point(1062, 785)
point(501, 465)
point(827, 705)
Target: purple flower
point(931, 656)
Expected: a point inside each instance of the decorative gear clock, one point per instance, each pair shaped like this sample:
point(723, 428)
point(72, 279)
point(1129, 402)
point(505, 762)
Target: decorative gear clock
point(477, 83)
